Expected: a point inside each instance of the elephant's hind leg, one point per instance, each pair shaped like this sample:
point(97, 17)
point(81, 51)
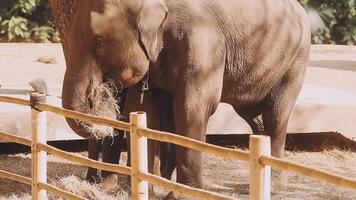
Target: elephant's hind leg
point(278, 107)
point(252, 115)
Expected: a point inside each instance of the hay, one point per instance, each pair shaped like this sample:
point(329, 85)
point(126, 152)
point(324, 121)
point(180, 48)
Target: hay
point(17, 197)
point(80, 187)
point(90, 191)
point(102, 102)
point(225, 176)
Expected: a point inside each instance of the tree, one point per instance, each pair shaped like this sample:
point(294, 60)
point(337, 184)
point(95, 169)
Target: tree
point(26, 20)
point(339, 18)
point(31, 20)
point(62, 11)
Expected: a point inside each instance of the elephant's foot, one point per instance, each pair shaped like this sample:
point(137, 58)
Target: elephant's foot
point(174, 196)
point(93, 176)
point(171, 196)
point(110, 182)
point(278, 181)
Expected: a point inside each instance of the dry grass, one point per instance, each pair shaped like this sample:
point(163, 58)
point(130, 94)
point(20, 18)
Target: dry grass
point(62, 174)
point(102, 103)
point(17, 197)
point(90, 191)
point(224, 176)
point(77, 186)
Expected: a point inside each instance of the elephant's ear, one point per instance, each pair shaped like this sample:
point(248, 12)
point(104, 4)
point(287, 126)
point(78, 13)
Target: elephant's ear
point(150, 25)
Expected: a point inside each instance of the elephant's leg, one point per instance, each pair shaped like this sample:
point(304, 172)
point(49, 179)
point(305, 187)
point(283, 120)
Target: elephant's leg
point(190, 122)
point(196, 98)
point(167, 150)
point(192, 111)
point(252, 115)
point(111, 154)
point(153, 121)
point(167, 158)
point(93, 153)
point(153, 113)
point(111, 146)
point(275, 122)
point(256, 125)
point(278, 107)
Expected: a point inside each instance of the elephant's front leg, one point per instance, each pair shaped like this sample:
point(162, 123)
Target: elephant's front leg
point(192, 111)
point(133, 104)
point(111, 154)
point(93, 153)
point(111, 147)
point(188, 162)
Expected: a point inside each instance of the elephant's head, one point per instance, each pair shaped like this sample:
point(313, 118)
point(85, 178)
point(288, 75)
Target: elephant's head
point(109, 41)
point(128, 36)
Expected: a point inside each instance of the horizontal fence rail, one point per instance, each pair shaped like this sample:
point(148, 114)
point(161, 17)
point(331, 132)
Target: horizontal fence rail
point(14, 138)
point(194, 144)
point(59, 192)
point(14, 100)
point(140, 133)
point(84, 117)
point(15, 177)
point(69, 113)
point(309, 171)
point(180, 188)
point(84, 161)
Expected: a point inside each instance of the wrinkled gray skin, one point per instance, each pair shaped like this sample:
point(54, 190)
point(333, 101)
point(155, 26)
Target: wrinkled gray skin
point(250, 54)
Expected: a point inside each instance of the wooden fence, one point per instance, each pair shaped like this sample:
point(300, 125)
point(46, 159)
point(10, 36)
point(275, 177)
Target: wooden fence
point(259, 157)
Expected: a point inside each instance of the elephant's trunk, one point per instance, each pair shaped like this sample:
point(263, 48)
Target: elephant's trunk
point(84, 91)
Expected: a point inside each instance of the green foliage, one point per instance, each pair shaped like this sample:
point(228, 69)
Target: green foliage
point(339, 20)
point(30, 20)
point(26, 20)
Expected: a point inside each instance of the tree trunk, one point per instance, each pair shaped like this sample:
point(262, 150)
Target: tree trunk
point(63, 12)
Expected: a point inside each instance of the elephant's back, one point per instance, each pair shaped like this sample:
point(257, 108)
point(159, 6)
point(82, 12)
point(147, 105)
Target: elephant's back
point(263, 40)
point(240, 19)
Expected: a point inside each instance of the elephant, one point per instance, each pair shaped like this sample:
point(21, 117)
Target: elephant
point(67, 14)
point(180, 59)
point(110, 146)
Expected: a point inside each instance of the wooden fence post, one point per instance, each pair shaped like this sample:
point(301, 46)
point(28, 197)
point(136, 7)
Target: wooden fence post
point(260, 175)
point(39, 158)
point(139, 162)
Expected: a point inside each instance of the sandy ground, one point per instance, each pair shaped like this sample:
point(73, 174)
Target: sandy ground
point(220, 175)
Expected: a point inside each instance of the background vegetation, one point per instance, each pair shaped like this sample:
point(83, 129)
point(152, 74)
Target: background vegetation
point(26, 21)
point(333, 21)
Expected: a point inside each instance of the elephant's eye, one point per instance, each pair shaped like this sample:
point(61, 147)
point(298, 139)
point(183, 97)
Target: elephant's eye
point(99, 42)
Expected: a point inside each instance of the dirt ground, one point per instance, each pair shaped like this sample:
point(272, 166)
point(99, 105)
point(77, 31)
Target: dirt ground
point(220, 175)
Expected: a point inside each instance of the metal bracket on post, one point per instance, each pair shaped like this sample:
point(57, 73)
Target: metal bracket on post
point(260, 175)
point(39, 135)
point(139, 156)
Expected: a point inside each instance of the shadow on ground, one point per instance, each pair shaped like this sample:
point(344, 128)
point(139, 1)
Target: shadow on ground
point(308, 142)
